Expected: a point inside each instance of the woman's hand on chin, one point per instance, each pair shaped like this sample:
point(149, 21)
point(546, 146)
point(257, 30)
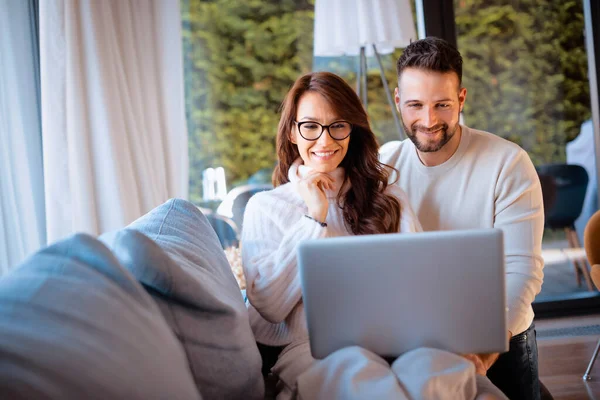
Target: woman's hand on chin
point(312, 190)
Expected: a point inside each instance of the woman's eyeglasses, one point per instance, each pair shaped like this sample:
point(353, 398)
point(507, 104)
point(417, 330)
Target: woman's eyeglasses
point(310, 130)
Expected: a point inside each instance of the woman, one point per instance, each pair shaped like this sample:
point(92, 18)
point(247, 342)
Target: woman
point(329, 182)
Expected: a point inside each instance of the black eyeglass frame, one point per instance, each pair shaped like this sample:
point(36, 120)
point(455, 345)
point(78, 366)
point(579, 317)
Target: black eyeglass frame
point(323, 127)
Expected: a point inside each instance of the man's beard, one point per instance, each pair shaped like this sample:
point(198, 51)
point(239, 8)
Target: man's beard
point(429, 147)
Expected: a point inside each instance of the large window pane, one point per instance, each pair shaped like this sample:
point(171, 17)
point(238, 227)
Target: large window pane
point(525, 69)
point(240, 60)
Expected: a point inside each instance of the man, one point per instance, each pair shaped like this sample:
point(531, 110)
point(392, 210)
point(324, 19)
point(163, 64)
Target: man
point(461, 178)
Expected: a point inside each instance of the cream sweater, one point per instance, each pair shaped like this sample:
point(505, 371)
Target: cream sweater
point(274, 224)
point(488, 182)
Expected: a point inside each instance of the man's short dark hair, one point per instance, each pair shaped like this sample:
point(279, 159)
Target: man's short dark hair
point(433, 54)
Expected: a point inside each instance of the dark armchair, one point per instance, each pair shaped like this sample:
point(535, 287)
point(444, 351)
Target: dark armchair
point(563, 189)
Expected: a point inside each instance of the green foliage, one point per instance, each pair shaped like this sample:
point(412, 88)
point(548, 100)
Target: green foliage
point(240, 60)
point(525, 70)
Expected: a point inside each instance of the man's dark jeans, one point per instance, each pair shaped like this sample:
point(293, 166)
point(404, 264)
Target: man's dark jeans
point(516, 371)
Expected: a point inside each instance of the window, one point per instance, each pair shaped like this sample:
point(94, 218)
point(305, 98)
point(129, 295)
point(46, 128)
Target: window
point(526, 72)
point(241, 58)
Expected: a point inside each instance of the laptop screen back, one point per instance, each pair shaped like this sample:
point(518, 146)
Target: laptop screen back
point(397, 292)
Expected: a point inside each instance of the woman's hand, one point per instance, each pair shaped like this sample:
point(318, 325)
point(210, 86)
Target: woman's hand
point(312, 190)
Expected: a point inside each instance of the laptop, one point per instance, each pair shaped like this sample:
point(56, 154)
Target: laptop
point(396, 292)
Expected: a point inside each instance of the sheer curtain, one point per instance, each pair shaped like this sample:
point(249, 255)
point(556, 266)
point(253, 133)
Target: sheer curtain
point(113, 119)
point(22, 223)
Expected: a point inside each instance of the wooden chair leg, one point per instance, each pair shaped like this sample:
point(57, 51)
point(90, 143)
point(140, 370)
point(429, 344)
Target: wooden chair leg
point(582, 264)
point(588, 279)
point(575, 265)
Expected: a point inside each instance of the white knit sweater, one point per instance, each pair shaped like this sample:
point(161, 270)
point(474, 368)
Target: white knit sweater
point(274, 224)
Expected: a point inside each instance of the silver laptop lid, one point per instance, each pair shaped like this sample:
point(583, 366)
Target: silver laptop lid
point(397, 292)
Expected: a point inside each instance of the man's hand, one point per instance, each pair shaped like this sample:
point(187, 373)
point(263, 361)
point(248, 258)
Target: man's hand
point(484, 361)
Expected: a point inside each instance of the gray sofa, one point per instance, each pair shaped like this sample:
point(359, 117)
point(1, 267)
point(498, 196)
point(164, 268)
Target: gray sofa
point(149, 312)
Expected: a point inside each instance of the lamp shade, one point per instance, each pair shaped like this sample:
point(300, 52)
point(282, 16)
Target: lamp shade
point(342, 27)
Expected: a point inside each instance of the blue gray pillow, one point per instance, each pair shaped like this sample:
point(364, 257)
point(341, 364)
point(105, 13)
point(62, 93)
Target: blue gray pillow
point(74, 324)
point(174, 252)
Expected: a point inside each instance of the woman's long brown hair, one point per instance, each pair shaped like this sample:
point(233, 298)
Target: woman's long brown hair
point(366, 207)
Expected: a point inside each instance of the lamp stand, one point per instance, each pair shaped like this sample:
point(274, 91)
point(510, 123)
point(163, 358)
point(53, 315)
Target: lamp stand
point(361, 77)
point(386, 89)
point(361, 86)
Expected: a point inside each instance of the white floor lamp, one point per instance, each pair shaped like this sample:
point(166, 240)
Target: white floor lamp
point(363, 28)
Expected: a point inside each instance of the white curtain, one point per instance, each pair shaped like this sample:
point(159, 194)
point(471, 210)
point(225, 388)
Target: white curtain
point(22, 226)
point(113, 119)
